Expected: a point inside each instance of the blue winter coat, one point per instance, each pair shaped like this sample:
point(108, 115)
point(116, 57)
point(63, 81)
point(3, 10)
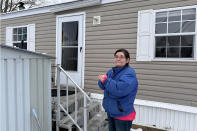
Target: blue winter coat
point(120, 90)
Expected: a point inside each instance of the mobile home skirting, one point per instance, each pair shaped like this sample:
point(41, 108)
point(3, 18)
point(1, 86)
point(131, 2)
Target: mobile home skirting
point(159, 115)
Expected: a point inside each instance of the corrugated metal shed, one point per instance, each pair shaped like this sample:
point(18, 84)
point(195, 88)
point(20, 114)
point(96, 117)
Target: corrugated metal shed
point(25, 85)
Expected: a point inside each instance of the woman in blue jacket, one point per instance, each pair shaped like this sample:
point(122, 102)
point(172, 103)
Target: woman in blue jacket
point(120, 87)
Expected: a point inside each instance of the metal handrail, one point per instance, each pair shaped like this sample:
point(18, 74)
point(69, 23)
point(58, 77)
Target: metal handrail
point(84, 93)
point(70, 117)
point(60, 69)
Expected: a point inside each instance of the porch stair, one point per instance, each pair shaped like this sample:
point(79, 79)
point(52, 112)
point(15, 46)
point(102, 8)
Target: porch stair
point(71, 104)
point(76, 111)
point(96, 118)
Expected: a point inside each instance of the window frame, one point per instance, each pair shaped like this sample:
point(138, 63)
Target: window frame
point(175, 34)
point(17, 34)
point(31, 33)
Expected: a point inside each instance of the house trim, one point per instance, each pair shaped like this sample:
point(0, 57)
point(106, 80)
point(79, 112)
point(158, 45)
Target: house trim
point(83, 37)
point(176, 59)
point(75, 5)
point(49, 99)
point(46, 9)
point(32, 11)
point(169, 106)
point(176, 8)
point(110, 1)
point(83, 49)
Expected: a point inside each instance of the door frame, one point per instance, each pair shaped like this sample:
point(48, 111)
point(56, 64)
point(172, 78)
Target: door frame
point(83, 44)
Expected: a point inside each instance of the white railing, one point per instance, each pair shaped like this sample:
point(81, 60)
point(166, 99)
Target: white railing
point(60, 107)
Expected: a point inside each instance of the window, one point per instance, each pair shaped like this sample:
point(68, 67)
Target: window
point(70, 45)
point(21, 36)
point(167, 34)
point(175, 33)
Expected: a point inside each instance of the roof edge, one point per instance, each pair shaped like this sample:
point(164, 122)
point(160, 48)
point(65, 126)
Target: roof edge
point(79, 4)
point(25, 51)
point(54, 8)
point(51, 8)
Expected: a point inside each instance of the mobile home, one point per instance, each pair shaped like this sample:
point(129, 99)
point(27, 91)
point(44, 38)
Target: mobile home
point(83, 35)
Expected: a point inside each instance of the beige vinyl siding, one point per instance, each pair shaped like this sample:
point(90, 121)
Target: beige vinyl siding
point(172, 82)
point(45, 32)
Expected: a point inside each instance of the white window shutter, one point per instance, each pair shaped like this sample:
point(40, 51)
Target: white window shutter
point(9, 36)
point(31, 37)
point(145, 38)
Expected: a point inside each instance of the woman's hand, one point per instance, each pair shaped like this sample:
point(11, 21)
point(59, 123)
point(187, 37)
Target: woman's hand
point(101, 77)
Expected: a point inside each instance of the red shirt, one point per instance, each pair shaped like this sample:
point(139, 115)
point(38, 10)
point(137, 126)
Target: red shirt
point(130, 117)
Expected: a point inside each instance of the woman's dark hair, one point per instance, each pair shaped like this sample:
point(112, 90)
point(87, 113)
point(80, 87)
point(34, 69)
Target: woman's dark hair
point(125, 52)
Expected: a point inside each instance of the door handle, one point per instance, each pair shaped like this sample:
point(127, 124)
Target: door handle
point(80, 49)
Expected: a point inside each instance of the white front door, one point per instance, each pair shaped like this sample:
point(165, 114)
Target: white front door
point(70, 46)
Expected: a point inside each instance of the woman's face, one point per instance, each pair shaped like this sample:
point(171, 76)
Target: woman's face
point(120, 59)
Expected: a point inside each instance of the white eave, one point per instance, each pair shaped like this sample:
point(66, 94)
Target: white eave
point(56, 8)
point(51, 8)
point(79, 4)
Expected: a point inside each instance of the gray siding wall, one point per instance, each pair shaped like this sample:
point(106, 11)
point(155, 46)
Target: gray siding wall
point(172, 82)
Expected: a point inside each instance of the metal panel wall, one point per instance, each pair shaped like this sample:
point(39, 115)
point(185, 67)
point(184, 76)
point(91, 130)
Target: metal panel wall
point(39, 74)
point(15, 95)
point(166, 119)
point(25, 84)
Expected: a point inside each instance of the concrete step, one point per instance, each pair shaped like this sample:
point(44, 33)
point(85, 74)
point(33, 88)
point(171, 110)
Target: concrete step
point(98, 122)
point(71, 104)
point(106, 128)
point(92, 110)
point(63, 99)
